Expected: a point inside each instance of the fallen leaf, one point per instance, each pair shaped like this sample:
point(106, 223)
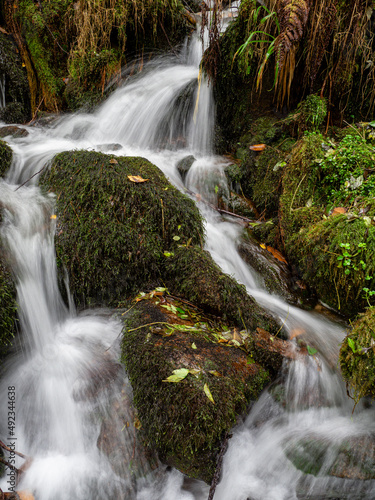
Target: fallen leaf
point(193, 346)
point(136, 178)
point(338, 211)
point(215, 372)
point(278, 255)
point(258, 147)
point(178, 375)
point(208, 393)
point(311, 350)
point(53, 216)
point(194, 371)
point(113, 161)
point(262, 245)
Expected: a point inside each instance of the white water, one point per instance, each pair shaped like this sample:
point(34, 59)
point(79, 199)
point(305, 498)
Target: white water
point(64, 356)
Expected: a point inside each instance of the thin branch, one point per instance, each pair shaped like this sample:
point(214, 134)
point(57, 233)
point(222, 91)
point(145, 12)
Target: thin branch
point(41, 170)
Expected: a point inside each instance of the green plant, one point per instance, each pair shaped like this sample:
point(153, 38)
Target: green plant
point(346, 259)
point(247, 49)
point(347, 170)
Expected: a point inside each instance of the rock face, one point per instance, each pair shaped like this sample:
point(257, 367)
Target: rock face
point(14, 77)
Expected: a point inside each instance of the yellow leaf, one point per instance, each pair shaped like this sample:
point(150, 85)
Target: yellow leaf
point(178, 375)
point(113, 161)
point(53, 216)
point(136, 178)
point(262, 245)
point(193, 346)
point(208, 393)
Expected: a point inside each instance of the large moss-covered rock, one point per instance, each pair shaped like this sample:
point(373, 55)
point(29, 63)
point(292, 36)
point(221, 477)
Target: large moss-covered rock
point(357, 356)
point(14, 76)
point(6, 155)
point(186, 421)
point(113, 231)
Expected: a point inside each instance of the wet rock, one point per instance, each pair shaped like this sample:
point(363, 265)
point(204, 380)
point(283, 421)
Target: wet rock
point(13, 131)
point(105, 148)
point(17, 94)
point(188, 419)
point(183, 166)
point(357, 356)
point(353, 458)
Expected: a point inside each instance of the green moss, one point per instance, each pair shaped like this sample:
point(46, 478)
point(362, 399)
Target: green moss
point(299, 202)
point(317, 249)
point(6, 155)
point(8, 309)
point(112, 233)
point(194, 275)
point(178, 419)
point(357, 356)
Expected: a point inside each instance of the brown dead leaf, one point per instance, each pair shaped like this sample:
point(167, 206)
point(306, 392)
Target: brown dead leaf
point(113, 161)
point(136, 178)
point(258, 147)
point(338, 211)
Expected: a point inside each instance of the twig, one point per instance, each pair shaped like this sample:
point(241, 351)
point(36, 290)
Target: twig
point(5, 447)
point(166, 36)
point(7, 464)
point(41, 170)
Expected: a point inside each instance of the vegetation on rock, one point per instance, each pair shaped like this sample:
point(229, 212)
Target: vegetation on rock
point(213, 381)
point(114, 233)
point(357, 356)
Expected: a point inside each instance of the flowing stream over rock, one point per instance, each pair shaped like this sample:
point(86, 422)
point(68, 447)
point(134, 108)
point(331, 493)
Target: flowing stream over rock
point(302, 424)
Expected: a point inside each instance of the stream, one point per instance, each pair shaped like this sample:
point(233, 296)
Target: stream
point(58, 420)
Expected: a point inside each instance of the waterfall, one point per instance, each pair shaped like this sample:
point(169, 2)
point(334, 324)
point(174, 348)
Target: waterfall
point(163, 114)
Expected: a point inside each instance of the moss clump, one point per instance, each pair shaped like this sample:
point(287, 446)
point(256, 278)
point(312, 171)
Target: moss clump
point(6, 155)
point(193, 275)
point(178, 419)
point(319, 251)
point(357, 356)
point(112, 232)
point(300, 180)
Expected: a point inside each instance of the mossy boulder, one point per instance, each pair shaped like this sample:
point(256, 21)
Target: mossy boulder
point(357, 356)
point(6, 155)
point(13, 74)
point(186, 421)
point(193, 275)
point(113, 230)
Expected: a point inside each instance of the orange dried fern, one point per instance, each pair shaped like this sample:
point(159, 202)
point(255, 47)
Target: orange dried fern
point(293, 16)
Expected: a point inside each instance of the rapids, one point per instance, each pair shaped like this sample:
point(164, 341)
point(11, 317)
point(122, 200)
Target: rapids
point(163, 114)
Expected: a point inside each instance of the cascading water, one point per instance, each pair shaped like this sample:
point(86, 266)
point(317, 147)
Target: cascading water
point(164, 114)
